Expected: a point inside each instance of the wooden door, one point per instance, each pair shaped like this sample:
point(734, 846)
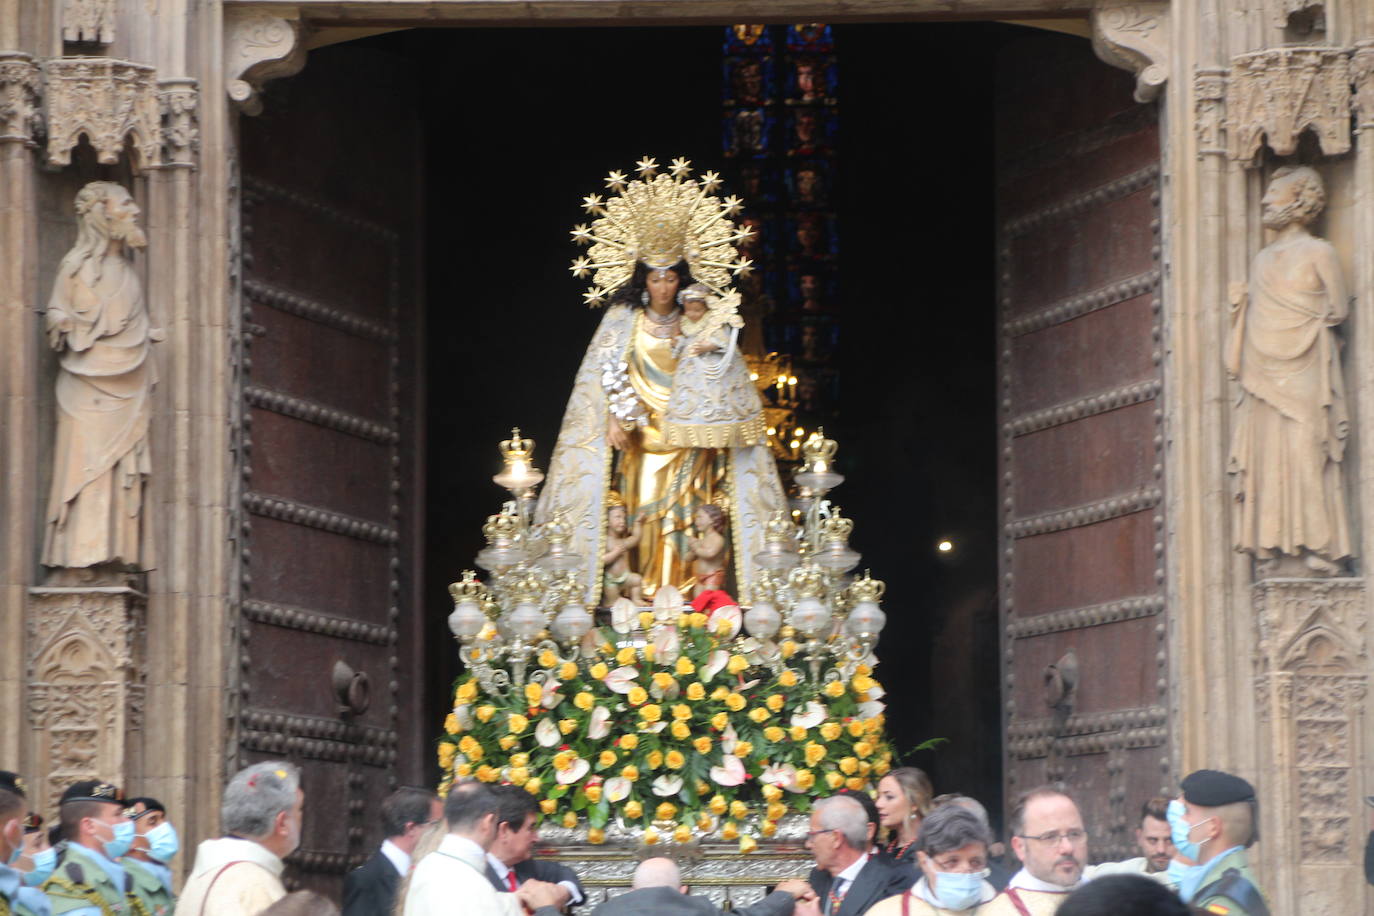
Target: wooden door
point(1082, 465)
point(328, 625)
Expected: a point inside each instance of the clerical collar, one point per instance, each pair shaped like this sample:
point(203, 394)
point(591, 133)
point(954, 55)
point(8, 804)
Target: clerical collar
point(1025, 881)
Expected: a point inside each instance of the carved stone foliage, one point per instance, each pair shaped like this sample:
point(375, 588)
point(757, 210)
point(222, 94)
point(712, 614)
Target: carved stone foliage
point(1279, 93)
point(86, 681)
point(179, 100)
point(20, 116)
point(1134, 36)
point(258, 46)
point(88, 20)
point(1362, 72)
point(109, 101)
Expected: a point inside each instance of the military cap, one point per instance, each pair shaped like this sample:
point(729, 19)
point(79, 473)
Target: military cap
point(149, 805)
point(1213, 788)
point(92, 790)
point(11, 782)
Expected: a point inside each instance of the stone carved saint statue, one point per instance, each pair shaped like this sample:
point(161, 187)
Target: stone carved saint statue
point(97, 320)
point(1291, 424)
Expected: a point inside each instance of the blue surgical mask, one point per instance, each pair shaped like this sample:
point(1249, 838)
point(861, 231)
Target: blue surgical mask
point(959, 890)
point(1186, 878)
point(163, 842)
point(44, 864)
point(1179, 828)
point(123, 838)
point(16, 855)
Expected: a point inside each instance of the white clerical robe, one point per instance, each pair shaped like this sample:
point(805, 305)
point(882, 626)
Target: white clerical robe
point(1036, 897)
point(453, 879)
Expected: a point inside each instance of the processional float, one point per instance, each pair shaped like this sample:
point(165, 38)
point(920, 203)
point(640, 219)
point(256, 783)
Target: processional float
point(703, 729)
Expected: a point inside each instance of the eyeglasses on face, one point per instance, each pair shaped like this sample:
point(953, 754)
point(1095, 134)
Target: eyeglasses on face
point(815, 833)
point(1055, 837)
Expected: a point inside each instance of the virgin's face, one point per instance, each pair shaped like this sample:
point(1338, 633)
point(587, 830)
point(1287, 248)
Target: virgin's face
point(893, 807)
point(662, 286)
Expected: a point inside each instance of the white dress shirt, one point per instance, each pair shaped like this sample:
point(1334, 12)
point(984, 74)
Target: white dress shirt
point(396, 856)
point(840, 886)
point(502, 869)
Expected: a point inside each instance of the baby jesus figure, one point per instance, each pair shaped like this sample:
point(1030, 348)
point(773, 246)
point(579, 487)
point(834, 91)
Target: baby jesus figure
point(714, 403)
point(617, 581)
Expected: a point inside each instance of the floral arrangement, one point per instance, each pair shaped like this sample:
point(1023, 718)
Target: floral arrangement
point(685, 734)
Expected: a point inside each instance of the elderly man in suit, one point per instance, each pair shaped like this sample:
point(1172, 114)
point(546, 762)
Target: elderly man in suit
point(657, 888)
point(510, 860)
point(847, 878)
point(370, 889)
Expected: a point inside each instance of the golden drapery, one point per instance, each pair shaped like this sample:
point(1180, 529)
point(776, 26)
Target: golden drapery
point(662, 483)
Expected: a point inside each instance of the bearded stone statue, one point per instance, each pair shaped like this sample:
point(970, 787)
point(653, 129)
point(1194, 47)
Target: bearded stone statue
point(97, 320)
point(1291, 422)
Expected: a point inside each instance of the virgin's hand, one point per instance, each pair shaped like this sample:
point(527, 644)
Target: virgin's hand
point(616, 435)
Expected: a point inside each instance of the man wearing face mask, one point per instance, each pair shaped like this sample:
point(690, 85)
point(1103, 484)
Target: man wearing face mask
point(90, 881)
point(239, 874)
point(155, 843)
point(1213, 822)
point(11, 845)
point(36, 858)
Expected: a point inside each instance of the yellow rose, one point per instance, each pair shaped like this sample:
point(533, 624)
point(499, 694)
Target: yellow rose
point(534, 785)
point(654, 759)
point(695, 691)
point(699, 620)
point(467, 744)
point(849, 766)
point(606, 758)
point(446, 754)
point(675, 760)
point(567, 671)
point(650, 836)
point(599, 671)
point(874, 726)
point(834, 689)
point(702, 787)
point(774, 733)
point(467, 692)
point(862, 683)
point(593, 793)
point(769, 828)
point(771, 792)
point(652, 713)
point(834, 780)
point(646, 620)
point(517, 723)
point(626, 656)
point(703, 821)
point(759, 714)
point(789, 648)
point(831, 730)
point(684, 666)
point(680, 730)
point(508, 741)
point(649, 652)
point(563, 760)
point(630, 772)
point(865, 767)
point(718, 804)
point(797, 732)
point(702, 744)
point(520, 760)
point(666, 811)
point(451, 724)
point(776, 810)
point(607, 649)
point(723, 627)
point(747, 844)
point(487, 773)
point(584, 700)
point(881, 767)
point(463, 770)
point(633, 809)
point(743, 749)
point(663, 680)
point(863, 748)
point(720, 720)
point(548, 805)
point(736, 664)
point(855, 784)
point(805, 779)
point(518, 776)
point(570, 819)
point(637, 695)
point(484, 713)
point(739, 810)
point(815, 753)
point(534, 694)
point(729, 831)
point(629, 742)
point(682, 711)
point(547, 659)
point(596, 836)
point(775, 702)
point(735, 702)
point(683, 834)
point(788, 678)
point(855, 727)
point(566, 726)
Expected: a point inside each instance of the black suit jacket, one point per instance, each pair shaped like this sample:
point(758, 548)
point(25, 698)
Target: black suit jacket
point(540, 870)
point(370, 889)
point(877, 880)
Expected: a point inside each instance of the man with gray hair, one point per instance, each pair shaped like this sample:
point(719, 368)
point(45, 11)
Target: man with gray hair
point(657, 888)
point(846, 879)
point(239, 874)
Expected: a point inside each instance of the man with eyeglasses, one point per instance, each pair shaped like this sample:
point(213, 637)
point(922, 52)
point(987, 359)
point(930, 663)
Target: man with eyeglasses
point(1047, 835)
point(370, 889)
point(847, 879)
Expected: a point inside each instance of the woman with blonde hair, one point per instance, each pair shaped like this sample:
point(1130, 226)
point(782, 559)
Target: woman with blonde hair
point(903, 801)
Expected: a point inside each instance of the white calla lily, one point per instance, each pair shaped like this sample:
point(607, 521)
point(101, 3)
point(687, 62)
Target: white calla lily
point(667, 786)
point(729, 773)
point(599, 725)
point(573, 773)
point(714, 665)
point(463, 713)
point(547, 733)
point(617, 788)
point(810, 715)
point(622, 679)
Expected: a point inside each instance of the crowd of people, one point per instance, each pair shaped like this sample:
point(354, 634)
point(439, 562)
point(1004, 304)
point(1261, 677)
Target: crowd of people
point(900, 852)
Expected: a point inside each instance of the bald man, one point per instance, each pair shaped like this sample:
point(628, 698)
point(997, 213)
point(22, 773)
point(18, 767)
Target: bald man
point(657, 888)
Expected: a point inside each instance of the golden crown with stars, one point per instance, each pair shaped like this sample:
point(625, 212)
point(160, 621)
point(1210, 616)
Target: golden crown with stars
point(659, 220)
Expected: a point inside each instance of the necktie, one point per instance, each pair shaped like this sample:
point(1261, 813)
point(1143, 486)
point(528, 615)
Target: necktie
point(510, 879)
point(836, 897)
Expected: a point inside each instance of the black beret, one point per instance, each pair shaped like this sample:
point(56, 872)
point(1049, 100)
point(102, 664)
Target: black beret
point(1212, 788)
point(11, 782)
point(92, 790)
point(149, 805)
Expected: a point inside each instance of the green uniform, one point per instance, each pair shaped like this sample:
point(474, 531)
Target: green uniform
point(82, 886)
point(1229, 888)
point(149, 887)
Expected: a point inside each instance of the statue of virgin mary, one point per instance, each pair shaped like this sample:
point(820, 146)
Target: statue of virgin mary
point(651, 239)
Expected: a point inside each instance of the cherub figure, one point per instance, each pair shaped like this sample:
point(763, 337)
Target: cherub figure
point(707, 550)
point(617, 580)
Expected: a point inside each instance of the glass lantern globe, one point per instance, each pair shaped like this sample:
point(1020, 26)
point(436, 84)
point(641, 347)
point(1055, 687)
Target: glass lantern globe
point(866, 620)
point(572, 623)
point(526, 620)
point(809, 616)
point(467, 619)
point(763, 620)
